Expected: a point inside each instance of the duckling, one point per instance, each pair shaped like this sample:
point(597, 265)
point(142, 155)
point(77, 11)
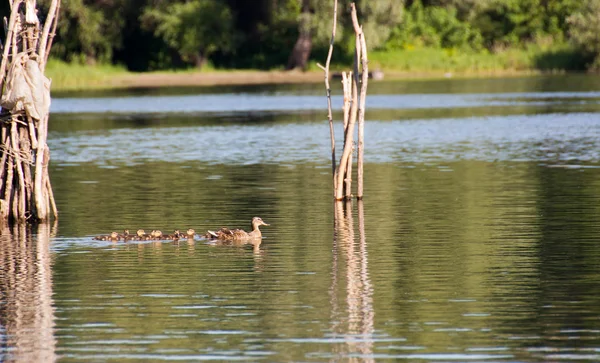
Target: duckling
point(157, 234)
point(140, 235)
point(114, 236)
point(238, 234)
point(175, 236)
point(125, 236)
point(190, 233)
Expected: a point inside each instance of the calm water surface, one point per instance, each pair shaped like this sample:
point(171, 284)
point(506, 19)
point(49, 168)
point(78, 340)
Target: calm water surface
point(477, 239)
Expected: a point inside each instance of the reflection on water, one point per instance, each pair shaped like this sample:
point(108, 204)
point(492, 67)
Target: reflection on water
point(476, 241)
point(26, 306)
point(464, 261)
point(358, 329)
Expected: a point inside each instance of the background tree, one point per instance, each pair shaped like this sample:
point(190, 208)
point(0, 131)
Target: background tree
point(195, 29)
point(378, 18)
point(585, 31)
point(88, 31)
point(162, 34)
point(303, 46)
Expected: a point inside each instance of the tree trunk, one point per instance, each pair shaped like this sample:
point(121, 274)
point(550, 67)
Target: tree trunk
point(301, 51)
point(199, 60)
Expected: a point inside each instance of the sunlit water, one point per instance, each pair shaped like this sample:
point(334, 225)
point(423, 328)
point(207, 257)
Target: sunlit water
point(480, 241)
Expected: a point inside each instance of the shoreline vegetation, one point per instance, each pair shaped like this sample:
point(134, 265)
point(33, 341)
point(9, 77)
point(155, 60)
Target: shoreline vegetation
point(424, 63)
point(205, 42)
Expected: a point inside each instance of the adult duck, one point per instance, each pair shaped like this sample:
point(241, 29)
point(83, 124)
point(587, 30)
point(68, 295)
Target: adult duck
point(226, 234)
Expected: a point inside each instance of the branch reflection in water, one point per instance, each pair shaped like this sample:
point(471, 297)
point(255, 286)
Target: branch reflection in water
point(26, 306)
point(358, 331)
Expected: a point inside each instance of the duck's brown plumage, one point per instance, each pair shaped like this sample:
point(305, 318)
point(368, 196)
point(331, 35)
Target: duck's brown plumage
point(226, 234)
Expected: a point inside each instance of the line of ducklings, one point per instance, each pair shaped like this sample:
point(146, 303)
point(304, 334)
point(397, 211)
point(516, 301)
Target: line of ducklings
point(141, 235)
point(223, 234)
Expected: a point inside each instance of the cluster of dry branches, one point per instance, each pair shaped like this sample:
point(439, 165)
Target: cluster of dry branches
point(353, 109)
point(25, 189)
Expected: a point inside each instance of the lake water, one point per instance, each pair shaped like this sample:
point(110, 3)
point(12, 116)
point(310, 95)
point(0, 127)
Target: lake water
point(478, 238)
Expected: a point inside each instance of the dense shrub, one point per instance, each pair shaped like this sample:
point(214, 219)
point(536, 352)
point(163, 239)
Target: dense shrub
point(585, 32)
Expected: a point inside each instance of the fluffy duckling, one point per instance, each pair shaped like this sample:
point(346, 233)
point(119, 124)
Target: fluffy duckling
point(190, 233)
point(114, 236)
point(140, 235)
point(125, 235)
point(175, 236)
point(157, 234)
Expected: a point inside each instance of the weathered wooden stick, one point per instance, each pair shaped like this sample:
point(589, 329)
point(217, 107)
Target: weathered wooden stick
point(347, 97)
point(362, 45)
point(31, 127)
point(8, 41)
point(14, 203)
point(15, 37)
point(349, 139)
point(328, 90)
point(9, 185)
point(45, 178)
point(50, 37)
point(347, 107)
point(52, 201)
point(20, 215)
point(26, 144)
point(42, 50)
point(39, 171)
point(341, 172)
point(3, 166)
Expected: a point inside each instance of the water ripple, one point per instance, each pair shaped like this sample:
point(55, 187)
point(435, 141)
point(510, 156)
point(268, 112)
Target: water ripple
point(554, 138)
point(252, 102)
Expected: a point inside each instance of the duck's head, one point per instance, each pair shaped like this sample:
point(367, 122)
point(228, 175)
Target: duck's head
point(141, 233)
point(126, 232)
point(191, 232)
point(257, 221)
point(114, 235)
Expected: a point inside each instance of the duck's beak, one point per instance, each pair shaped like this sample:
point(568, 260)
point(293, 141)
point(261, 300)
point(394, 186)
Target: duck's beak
point(265, 224)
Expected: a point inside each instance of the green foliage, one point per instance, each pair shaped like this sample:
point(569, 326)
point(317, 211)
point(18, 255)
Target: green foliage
point(196, 29)
point(270, 42)
point(433, 26)
point(556, 15)
point(87, 32)
point(585, 31)
point(169, 34)
point(378, 18)
point(509, 22)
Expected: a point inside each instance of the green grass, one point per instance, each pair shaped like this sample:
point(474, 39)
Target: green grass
point(533, 58)
point(74, 76)
point(416, 62)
